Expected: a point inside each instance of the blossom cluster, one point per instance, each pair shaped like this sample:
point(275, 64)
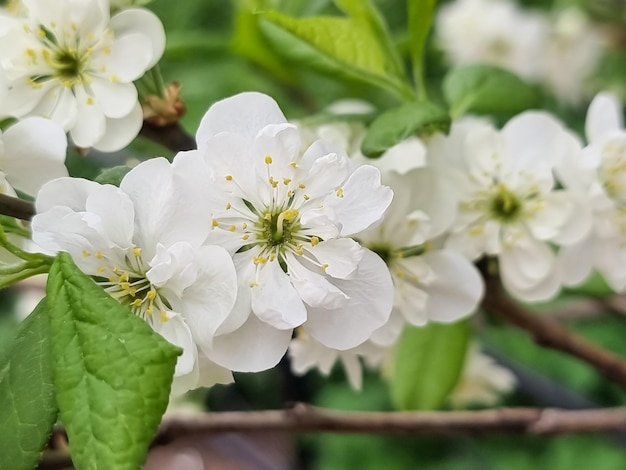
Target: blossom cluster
point(560, 50)
point(273, 237)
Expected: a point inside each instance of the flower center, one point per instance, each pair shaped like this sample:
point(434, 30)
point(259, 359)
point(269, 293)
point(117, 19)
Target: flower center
point(505, 205)
point(131, 288)
point(69, 65)
point(277, 228)
point(613, 169)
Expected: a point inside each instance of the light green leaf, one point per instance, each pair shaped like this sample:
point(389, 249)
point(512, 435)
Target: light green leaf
point(428, 363)
point(364, 11)
point(27, 405)
point(487, 89)
point(113, 175)
point(249, 42)
point(112, 373)
point(420, 14)
point(395, 125)
point(341, 47)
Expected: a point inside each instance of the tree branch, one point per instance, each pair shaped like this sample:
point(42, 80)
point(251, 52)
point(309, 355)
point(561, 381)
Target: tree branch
point(551, 334)
point(172, 136)
point(305, 418)
point(15, 207)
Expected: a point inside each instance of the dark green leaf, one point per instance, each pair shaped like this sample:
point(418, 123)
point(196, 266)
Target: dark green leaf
point(428, 363)
point(112, 372)
point(113, 175)
point(27, 404)
point(397, 124)
point(487, 89)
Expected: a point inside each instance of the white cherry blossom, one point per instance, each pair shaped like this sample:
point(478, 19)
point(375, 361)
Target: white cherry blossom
point(497, 32)
point(598, 174)
point(70, 62)
point(306, 354)
point(509, 206)
point(286, 217)
point(483, 381)
point(431, 283)
point(143, 244)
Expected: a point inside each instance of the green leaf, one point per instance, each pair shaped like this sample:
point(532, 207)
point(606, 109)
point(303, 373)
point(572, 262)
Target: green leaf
point(27, 404)
point(340, 47)
point(487, 89)
point(248, 41)
point(420, 14)
point(366, 12)
point(428, 363)
point(113, 175)
point(112, 373)
point(397, 124)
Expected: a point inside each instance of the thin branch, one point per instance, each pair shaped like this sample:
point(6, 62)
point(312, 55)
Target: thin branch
point(302, 418)
point(15, 207)
point(551, 334)
point(172, 136)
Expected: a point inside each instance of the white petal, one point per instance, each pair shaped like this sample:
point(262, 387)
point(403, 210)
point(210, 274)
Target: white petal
point(120, 132)
point(369, 307)
point(245, 114)
point(254, 347)
point(70, 192)
point(313, 288)
point(457, 290)
point(165, 213)
point(177, 332)
point(275, 300)
point(126, 59)
point(526, 263)
point(603, 116)
point(34, 151)
point(576, 262)
point(90, 124)
point(210, 299)
point(538, 292)
point(362, 202)
point(534, 137)
point(139, 20)
point(340, 256)
point(115, 99)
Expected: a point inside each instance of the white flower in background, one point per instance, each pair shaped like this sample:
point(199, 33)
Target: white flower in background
point(483, 382)
point(32, 152)
point(599, 175)
point(571, 55)
point(496, 32)
point(70, 62)
point(144, 242)
point(286, 218)
point(306, 354)
point(430, 283)
point(509, 206)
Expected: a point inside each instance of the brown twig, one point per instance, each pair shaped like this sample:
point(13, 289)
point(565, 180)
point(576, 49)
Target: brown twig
point(551, 334)
point(15, 207)
point(305, 418)
point(172, 136)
